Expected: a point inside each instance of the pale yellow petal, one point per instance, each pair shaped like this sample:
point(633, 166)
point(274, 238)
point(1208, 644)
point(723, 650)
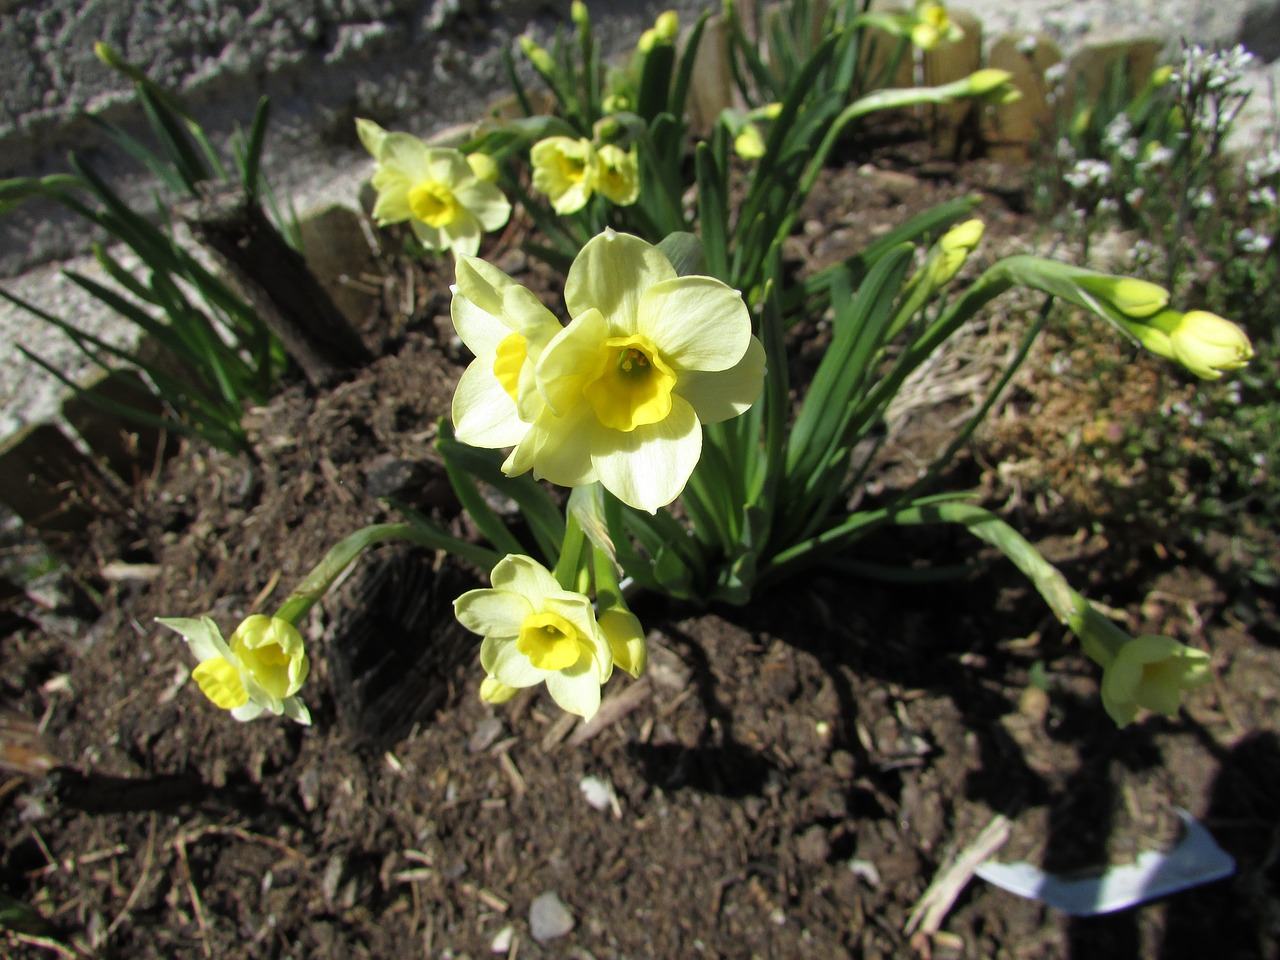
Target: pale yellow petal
point(484, 415)
point(697, 323)
point(648, 467)
point(220, 682)
point(610, 273)
point(726, 393)
point(492, 612)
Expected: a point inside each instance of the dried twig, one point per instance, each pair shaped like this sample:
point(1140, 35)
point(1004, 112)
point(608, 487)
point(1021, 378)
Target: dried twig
point(180, 845)
point(927, 915)
point(142, 877)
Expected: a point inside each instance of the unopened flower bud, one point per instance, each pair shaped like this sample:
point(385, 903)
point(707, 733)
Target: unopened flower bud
point(667, 26)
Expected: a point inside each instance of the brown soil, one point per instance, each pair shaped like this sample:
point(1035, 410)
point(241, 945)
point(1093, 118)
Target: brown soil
point(785, 782)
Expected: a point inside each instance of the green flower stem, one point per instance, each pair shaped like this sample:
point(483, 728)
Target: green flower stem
point(608, 593)
point(1100, 638)
point(345, 551)
point(568, 567)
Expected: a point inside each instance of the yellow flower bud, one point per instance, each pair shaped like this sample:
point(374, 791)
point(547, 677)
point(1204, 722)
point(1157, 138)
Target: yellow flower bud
point(956, 245)
point(667, 26)
point(1128, 296)
point(648, 40)
point(483, 166)
point(1150, 673)
point(578, 13)
point(539, 57)
point(749, 144)
point(994, 85)
point(1203, 342)
point(626, 639)
point(493, 690)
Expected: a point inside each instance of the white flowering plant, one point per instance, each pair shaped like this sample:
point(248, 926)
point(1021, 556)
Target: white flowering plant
point(660, 397)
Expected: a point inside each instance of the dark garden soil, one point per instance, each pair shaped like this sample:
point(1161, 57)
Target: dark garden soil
point(786, 781)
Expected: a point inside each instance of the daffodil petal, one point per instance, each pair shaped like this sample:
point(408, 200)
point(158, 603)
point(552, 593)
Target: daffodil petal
point(649, 466)
point(577, 692)
point(526, 578)
point(219, 680)
point(464, 234)
point(297, 711)
point(392, 205)
point(495, 612)
point(433, 238)
point(486, 202)
point(371, 136)
point(502, 660)
point(406, 154)
point(250, 711)
point(727, 393)
point(447, 166)
point(480, 329)
point(202, 636)
point(484, 415)
point(570, 359)
point(697, 323)
point(561, 451)
point(610, 273)
point(482, 283)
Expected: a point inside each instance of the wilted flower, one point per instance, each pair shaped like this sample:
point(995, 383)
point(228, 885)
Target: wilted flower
point(647, 358)
point(1150, 673)
point(260, 671)
point(535, 631)
point(436, 189)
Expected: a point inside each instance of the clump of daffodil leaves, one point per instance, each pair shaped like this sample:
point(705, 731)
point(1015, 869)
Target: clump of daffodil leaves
point(660, 395)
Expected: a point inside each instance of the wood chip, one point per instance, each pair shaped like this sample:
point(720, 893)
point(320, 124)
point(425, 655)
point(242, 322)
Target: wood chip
point(612, 710)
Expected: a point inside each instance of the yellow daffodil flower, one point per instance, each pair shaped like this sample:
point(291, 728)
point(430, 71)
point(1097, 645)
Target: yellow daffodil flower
point(260, 671)
point(1203, 342)
point(617, 174)
point(647, 358)
point(507, 328)
point(569, 171)
point(1150, 673)
point(932, 26)
point(448, 206)
point(535, 632)
point(563, 169)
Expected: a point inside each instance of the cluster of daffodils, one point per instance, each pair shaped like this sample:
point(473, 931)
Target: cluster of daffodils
point(619, 395)
point(927, 25)
point(569, 172)
point(448, 199)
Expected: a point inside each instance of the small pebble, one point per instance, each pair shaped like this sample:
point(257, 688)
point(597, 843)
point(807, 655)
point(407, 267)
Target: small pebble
point(596, 792)
point(502, 941)
point(549, 918)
